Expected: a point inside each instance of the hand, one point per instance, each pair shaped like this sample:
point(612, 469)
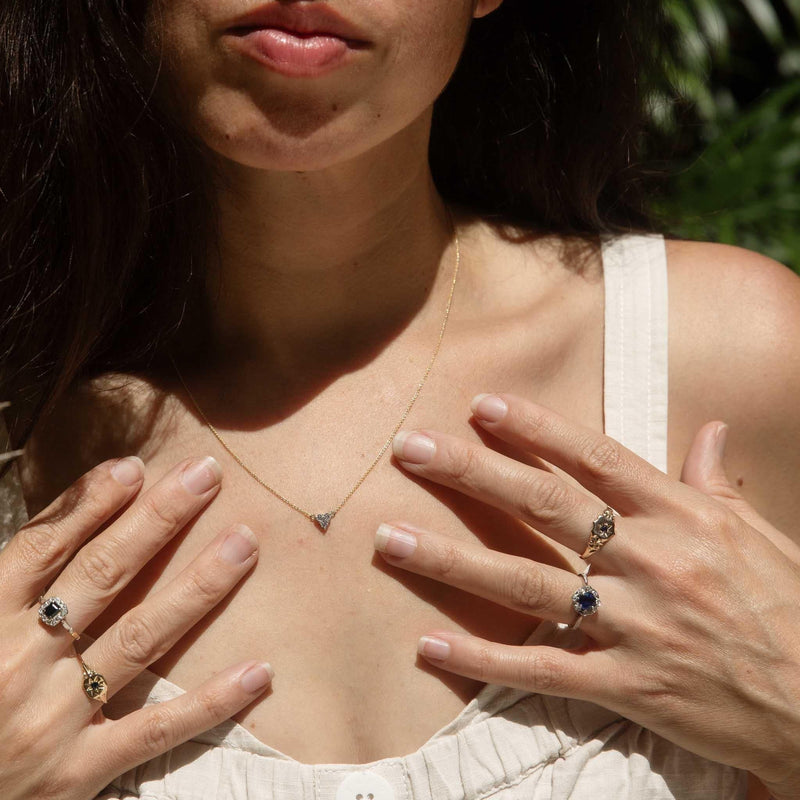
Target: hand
point(696, 635)
point(54, 740)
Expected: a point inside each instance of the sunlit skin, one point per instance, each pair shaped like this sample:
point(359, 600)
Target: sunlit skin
point(327, 200)
point(325, 300)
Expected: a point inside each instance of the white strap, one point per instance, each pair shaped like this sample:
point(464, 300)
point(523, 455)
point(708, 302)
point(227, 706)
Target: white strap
point(636, 349)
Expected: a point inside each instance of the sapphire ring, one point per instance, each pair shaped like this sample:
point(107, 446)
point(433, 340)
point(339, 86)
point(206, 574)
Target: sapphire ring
point(585, 600)
point(602, 531)
point(53, 611)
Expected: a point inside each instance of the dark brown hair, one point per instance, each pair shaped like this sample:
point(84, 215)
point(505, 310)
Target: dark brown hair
point(105, 207)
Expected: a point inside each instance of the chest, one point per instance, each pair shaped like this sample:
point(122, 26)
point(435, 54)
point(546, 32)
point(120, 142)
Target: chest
point(337, 623)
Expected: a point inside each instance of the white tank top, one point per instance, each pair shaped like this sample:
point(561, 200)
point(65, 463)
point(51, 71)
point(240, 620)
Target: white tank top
point(506, 744)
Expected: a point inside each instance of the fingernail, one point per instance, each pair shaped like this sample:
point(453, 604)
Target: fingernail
point(431, 647)
point(238, 546)
point(257, 677)
point(722, 440)
point(416, 448)
point(394, 542)
point(489, 407)
point(202, 475)
point(128, 471)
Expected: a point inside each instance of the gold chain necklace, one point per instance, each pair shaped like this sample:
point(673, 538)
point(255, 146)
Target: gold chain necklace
point(324, 520)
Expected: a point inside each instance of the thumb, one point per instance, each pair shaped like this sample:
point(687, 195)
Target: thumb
point(704, 470)
point(703, 466)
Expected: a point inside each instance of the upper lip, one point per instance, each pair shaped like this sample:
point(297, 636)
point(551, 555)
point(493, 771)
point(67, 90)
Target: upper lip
point(308, 19)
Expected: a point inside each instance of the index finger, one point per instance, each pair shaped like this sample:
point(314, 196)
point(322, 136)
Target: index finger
point(601, 464)
point(41, 547)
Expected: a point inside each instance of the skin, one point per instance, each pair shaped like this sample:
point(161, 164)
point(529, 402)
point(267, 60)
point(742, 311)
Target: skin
point(334, 265)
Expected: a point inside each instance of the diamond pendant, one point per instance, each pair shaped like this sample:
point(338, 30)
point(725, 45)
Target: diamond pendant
point(323, 520)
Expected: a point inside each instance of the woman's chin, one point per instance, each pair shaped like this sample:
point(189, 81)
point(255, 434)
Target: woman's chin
point(267, 145)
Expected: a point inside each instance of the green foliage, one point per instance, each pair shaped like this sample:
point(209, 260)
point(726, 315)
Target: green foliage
point(729, 114)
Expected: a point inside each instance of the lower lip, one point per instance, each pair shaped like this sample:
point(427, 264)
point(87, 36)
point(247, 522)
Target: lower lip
point(294, 55)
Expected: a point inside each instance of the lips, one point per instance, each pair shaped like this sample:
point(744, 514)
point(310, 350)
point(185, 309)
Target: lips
point(299, 40)
point(300, 20)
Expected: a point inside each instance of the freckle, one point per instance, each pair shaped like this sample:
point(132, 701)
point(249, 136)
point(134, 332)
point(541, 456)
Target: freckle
point(740, 481)
point(334, 107)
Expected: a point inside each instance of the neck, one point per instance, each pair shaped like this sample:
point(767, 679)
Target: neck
point(313, 266)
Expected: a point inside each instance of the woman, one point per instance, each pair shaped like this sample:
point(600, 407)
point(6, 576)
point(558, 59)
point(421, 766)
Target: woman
point(263, 242)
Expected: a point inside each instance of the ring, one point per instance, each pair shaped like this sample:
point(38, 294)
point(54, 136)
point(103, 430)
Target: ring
point(53, 611)
point(602, 531)
point(585, 600)
point(94, 684)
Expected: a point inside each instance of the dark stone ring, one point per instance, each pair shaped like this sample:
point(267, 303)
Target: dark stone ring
point(53, 611)
point(94, 684)
point(585, 600)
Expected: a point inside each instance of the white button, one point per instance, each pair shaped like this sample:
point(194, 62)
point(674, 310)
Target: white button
point(365, 786)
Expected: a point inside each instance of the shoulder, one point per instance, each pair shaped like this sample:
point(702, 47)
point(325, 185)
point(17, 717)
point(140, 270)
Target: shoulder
point(739, 312)
point(735, 356)
point(762, 286)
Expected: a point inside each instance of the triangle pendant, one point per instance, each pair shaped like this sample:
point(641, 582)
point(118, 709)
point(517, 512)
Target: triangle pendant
point(323, 520)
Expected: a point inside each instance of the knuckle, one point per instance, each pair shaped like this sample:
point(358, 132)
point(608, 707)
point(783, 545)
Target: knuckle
point(463, 466)
point(600, 457)
point(95, 506)
point(527, 589)
point(543, 673)
point(160, 728)
point(137, 639)
point(533, 419)
point(205, 586)
point(484, 663)
point(215, 703)
point(687, 578)
point(545, 497)
point(449, 559)
point(40, 546)
point(48, 538)
point(160, 513)
point(97, 566)
point(710, 521)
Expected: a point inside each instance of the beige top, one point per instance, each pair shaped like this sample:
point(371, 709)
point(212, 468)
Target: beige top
point(505, 744)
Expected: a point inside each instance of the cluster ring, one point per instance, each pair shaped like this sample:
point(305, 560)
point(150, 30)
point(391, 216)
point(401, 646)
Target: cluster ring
point(585, 601)
point(602, 531)
point(53, 611)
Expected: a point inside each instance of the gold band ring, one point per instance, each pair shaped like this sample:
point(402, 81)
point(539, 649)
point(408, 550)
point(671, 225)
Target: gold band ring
point(53, 611)
point(602, 531)
point(94, 684)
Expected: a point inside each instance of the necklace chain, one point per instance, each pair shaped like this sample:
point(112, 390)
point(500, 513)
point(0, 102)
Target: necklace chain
point(323, 520)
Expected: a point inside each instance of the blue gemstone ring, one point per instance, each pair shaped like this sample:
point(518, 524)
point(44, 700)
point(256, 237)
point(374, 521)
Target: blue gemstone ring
point(585, 600)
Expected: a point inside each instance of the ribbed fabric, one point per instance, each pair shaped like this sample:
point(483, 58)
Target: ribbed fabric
point(538, 748)
point(506, 744)
point(635, 382)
